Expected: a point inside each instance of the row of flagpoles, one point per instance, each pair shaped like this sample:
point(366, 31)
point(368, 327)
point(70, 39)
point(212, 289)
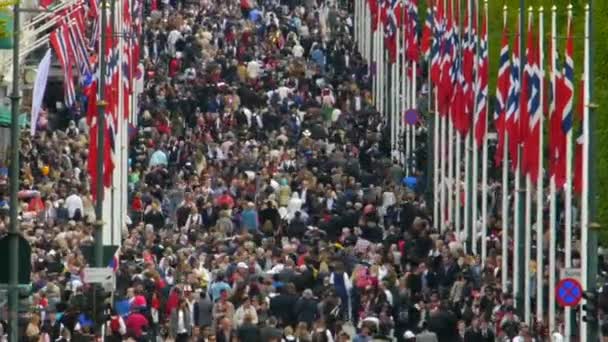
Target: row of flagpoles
point(116, 92)
point(534, 93)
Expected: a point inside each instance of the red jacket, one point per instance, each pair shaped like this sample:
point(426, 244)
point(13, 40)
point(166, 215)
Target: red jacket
point(135, 323)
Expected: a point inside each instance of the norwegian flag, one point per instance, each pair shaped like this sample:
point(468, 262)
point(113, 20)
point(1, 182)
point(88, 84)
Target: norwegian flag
point(503, 84)
point(530, 162)
point(482, 86)
point(447, 78)
point(468, 61)
point(512, 117)
point(427, 32)
point(578, 153)
point(411, 30)
point(524, 115)
point(137, 30)
point(373, 10)
point(61, 45)
point(390, 32)
point(76, 36)
point(111, 97)
point(127, 70)
point(458, 103)
point(437, 45)
point(564, 97)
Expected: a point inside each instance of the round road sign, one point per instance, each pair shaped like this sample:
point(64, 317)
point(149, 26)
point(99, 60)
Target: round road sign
point(568, 292)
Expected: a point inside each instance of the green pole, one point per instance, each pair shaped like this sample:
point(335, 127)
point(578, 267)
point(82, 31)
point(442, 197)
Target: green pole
point(521, 246)
point(13, 300)
point(592, 329)
point(101, 104)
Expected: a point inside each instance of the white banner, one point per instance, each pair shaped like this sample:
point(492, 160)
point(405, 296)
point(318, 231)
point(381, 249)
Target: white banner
point(39, 89)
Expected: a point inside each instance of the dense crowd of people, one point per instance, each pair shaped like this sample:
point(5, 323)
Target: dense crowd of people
point(263, 203)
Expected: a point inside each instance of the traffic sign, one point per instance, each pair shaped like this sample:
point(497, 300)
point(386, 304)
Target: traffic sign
point(568, 292)
point(100, 275)
point(570, 272)
point(411, 117)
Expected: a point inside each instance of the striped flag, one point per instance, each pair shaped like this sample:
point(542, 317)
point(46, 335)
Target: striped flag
point(427, 32)
point(503, 84)
point(390, 32)
point(532, 140)
point(512, 117)
point(564, 107)
point(411, 31)
point(437, 45)
point(482, 86)
point(61, 45)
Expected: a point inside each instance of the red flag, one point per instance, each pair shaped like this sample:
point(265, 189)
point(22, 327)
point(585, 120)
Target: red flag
point(503, 83)
point(524, 109)
point(481, 119)
point(373, 9)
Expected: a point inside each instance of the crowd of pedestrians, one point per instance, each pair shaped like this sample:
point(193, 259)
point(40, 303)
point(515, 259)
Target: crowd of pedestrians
point(263, 203)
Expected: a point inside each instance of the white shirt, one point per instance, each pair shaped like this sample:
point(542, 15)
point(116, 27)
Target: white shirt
point(181, 326)
point(297, 51)
point(253, 69)
point(72, 203)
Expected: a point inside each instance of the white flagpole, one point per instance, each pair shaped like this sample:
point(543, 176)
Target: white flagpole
point(516, 191)
point(374, 65)
point(401, 125)
point(471, 148)
point(484, 161)
point(394, 100)
point(528, 217)
point(407, 125)
point(539, 181)
point(436, 175)
point(396, 84)
point(585, 168)
point(445, 183)
point(413, 106)
point(553, 190)
point(568, 207)
point(505, 200)
point(451, 177)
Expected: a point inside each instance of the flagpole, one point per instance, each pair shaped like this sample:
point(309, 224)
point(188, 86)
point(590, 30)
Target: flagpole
point(470, 188)
point(484, 151)
point(585, 175)
point(401, 125)
point(589, 170)
point(539, 182)
point(101, 104)
point(517, 252)
point(457, 183)
point(505, 195)
point(407, 124)
point(552, 186)
point(431, 104)
point(413, 105)
point(373, 65)
point(528, 206)
point(568, 204)
point(396, 85)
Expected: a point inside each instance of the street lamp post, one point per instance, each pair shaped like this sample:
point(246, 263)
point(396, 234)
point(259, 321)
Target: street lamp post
point(14, 186)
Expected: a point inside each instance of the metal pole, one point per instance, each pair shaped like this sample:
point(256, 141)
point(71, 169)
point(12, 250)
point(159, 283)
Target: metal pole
point(13, 282)
point(519, 192)
point(101, 104)
point(592, 329)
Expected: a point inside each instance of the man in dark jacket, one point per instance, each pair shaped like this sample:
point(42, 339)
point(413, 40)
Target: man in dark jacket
point(203, 311)
point(306, 308)
point(281, 306)
point(248, 331)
